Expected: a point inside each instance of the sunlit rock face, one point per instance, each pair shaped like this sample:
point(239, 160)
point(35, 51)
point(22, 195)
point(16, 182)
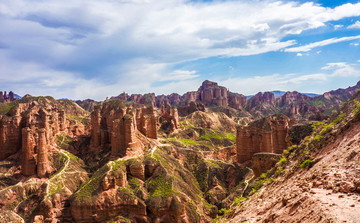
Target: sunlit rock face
point(265, 135)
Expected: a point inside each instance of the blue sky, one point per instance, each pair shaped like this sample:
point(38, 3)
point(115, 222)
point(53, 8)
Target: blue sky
point(97, 48)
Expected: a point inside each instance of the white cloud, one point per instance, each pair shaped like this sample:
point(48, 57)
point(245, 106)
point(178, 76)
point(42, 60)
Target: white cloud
point(299, 54)
point(310, 46)
point(354, 44)
point(338, 26)
point(333, 66)
point(341, 69)
point(106, 47)
point(356, 25)
point(315, 83)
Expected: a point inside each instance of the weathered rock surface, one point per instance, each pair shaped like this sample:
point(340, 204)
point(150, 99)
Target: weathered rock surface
point(212, 120)
point(7, 98)
point(10, 216)
point(262, 162)
point(169, 118)
point(318, 183)
point(265, 135)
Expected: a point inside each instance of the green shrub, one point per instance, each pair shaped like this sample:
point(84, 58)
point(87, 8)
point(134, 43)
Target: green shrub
point(224, 211)
point(238, 200)
point(306, 163)
point(282, 160)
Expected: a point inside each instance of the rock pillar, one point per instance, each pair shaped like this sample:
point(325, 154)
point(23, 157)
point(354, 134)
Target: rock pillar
point(27, 161)
point(42, 157)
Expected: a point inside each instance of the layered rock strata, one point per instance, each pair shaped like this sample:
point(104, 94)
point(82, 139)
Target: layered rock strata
point(169, 118)
point(265, 135)
point(117, 125)
point(30, 128)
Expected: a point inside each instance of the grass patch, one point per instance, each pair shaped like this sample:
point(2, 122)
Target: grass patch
point(77, 119)
point(88, 187)
point(163, 187)
point(63, 140)
point(5, 107)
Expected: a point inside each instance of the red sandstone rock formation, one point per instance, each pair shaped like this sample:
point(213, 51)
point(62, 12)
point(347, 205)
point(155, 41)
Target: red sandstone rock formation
point(7, 98)
point(262, 162)
point(43, 167)
point(146, 121)
point(212, 94)
point(27, 152)
point(170, 118)
point(31, 127)
point(236, 101)
point(259, 98)
point(190, 108)
point(123, 136)
point(115, 124)
point(265, 135)
point(291, 97)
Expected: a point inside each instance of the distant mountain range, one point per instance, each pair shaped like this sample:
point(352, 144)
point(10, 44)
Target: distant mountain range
point(281, 93)
point(299, 106)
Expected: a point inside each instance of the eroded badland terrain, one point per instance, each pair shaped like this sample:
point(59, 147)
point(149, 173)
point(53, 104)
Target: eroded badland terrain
point(209, 155)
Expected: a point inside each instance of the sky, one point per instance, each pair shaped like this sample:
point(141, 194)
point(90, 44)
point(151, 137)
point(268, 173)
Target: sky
point(83, 49)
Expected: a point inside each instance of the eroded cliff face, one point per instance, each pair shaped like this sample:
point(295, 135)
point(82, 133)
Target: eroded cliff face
point(30, 128)
point(117, 125)
point(265, 135)
point(318, 180)
point(169, 118)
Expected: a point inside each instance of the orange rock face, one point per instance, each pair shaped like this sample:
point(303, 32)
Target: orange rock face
point(146, 121)
point(31, 128)
point(265, 135)
point(42, 158)
point(169, 118)
point(212, 94)
point(116, 125)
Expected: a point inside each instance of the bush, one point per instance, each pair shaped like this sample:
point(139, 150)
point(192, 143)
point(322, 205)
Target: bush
point(306, 163)
point(282, 160)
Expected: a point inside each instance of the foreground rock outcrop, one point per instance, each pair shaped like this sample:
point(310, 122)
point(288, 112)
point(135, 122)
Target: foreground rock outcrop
point(265, 135)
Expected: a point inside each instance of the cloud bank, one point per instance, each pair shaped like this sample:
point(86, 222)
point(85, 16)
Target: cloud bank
point(98, 48)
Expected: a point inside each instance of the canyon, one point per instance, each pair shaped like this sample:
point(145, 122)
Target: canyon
point(208, 155)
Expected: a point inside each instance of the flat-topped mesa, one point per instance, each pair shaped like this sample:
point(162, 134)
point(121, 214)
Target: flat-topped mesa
point(7, 98)
point(212, 94)
point(265, 135)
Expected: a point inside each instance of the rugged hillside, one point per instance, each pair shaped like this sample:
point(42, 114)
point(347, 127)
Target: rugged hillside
point(298, 106)
point(129, 162)
point(315, 181)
